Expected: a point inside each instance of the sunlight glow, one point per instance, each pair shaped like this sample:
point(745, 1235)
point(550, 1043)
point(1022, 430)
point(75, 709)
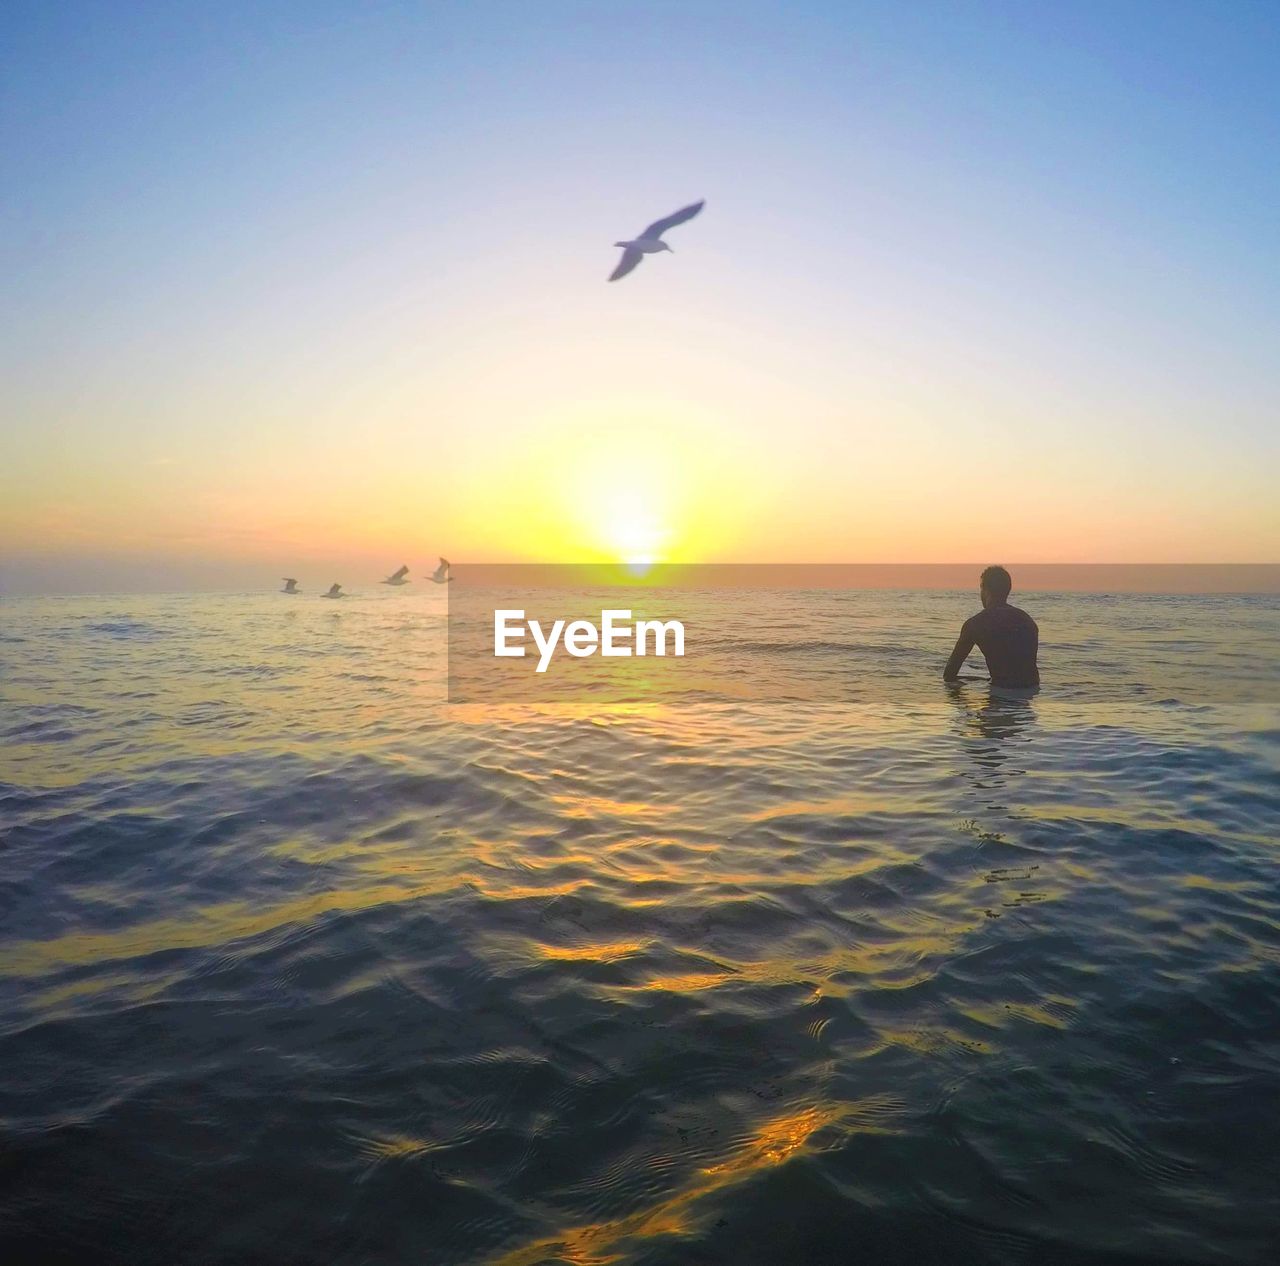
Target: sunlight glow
point(623, 501)
point(606, 481)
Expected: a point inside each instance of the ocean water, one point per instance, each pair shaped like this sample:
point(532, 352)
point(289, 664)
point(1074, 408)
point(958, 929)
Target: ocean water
point(300, 963)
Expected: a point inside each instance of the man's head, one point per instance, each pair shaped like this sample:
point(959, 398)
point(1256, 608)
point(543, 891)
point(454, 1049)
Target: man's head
point(994, 585)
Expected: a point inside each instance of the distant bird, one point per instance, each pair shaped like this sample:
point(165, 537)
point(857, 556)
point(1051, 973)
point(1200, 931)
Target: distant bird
point(335, 591)
point(650, 241)
point(441, 574)
point(400, 577)
point(290, 585)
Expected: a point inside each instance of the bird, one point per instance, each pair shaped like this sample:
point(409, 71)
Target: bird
point(400, 577)
point(650, 241)
point(441, 574)
point(290, 585)
point(335, 591)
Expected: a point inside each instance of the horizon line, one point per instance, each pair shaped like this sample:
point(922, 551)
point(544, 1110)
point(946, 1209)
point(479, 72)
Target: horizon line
point(1263, 579)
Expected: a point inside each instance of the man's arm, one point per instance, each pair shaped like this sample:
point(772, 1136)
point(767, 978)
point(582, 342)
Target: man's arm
point(964, 644)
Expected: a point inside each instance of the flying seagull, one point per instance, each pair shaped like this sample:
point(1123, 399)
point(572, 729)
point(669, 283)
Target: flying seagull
point(441, 574)
point(290, 585)
point(650, 241)
point(400, 577)
point(335, 591)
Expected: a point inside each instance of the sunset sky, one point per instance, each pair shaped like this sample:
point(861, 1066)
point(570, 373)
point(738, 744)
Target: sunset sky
point(302, 287)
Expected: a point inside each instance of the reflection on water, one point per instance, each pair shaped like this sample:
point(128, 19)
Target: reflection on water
point(300, 963)
point(993, 720)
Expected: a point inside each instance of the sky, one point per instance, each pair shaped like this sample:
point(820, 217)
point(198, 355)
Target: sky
point(315, 289)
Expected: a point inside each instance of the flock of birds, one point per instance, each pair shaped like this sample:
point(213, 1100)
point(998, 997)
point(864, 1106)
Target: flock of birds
point(633, 251)
point(398, 577)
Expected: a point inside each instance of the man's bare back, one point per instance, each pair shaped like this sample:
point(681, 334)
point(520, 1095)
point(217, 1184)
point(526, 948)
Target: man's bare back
point(1007, 637)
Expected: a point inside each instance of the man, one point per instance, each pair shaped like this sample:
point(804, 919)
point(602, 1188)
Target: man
point(1008, 638)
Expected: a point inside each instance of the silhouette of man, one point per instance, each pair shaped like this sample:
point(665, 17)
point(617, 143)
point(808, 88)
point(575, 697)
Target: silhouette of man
point(1007, 637)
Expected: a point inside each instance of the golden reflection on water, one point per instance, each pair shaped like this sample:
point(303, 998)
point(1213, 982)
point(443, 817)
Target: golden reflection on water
point(588, 806)
point(775, 1143)
point(395, 1147)
point(897, 963)
point(599, 953)
point(135, 987)
point(509, 892)
point(599, 714)
point(199, 929)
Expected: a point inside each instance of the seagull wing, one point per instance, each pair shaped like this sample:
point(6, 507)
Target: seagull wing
point(659, 227)
point(630, 258)
point(400, 572)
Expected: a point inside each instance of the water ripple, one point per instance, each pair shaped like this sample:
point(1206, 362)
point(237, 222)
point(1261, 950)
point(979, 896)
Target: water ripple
point(298, 960)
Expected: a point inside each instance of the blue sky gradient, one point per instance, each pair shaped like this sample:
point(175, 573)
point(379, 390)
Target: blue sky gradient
point(949, 249)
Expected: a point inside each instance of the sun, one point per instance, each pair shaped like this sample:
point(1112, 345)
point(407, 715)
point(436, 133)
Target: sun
point(623, 502)
point(635, 489)
point(629, 526)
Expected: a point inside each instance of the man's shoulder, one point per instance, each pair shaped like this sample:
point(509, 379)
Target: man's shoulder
point(1002, 615)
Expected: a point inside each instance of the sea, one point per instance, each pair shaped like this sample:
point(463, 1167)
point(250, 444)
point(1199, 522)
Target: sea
point(302, 962)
